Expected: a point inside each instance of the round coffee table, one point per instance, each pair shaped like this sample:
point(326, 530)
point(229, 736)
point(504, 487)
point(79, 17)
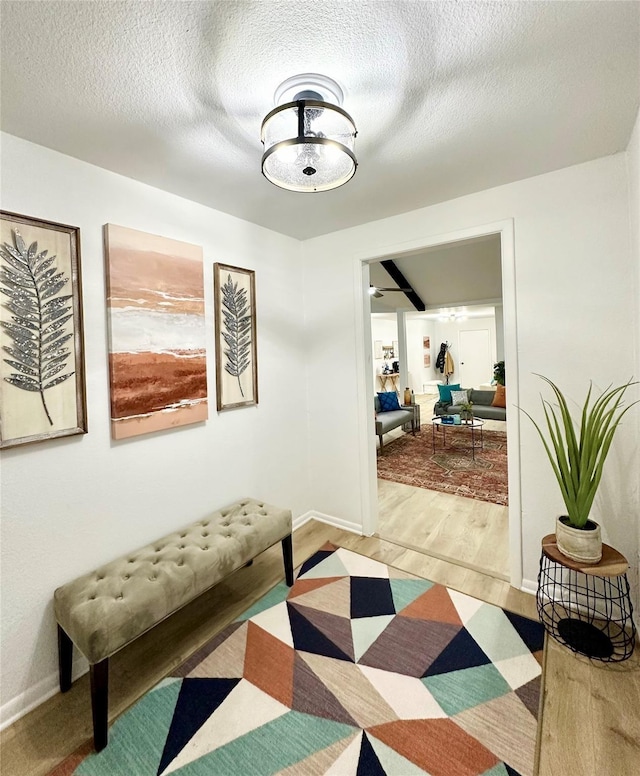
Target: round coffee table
point(474, 425)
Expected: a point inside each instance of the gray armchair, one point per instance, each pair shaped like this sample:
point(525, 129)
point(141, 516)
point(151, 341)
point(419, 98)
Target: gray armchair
point(387, 421)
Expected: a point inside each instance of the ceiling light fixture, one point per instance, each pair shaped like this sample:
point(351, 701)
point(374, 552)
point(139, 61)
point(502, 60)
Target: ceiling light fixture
point(308, 138)
point(453, 317)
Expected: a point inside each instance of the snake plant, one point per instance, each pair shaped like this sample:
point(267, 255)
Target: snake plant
point(577, 456)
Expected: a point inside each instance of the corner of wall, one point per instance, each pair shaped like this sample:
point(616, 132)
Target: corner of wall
point(633, 182)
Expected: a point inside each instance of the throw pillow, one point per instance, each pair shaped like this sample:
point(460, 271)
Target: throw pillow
point(389, 401)
point(445, 392)
point(459, 397)
point(500, 399)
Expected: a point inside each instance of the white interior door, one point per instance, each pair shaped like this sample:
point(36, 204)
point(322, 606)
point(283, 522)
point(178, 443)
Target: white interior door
point(474, 350)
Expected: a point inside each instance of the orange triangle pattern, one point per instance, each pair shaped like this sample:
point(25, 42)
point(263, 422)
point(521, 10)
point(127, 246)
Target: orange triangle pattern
point(435, 606)
point(438, 746)
point(268, 664)
point(303, 586)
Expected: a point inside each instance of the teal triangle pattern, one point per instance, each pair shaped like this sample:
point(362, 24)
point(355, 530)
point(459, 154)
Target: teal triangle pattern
point(137, 737)
point(275, 746)
point(165, 682)
point(497, 770)
point(331, 566)
point(393, 762)
point(272, 598)
point(496, 636)
point(365, 630)
point(460, 690)
point(405, 591)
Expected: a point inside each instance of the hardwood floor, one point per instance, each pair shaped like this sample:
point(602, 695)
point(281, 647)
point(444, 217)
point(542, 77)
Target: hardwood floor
point(472, 533)
point(590, 722)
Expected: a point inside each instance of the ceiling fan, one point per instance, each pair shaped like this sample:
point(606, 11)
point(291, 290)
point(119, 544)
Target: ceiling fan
point(375, 291)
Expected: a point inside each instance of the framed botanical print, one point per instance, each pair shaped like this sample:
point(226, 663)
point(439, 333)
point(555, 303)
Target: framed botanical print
point(42, 376)
point(236, 349)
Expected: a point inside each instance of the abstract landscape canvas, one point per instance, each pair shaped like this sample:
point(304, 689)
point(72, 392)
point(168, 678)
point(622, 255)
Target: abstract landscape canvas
point(157, 359)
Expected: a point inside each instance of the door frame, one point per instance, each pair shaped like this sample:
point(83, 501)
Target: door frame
point(364, 365)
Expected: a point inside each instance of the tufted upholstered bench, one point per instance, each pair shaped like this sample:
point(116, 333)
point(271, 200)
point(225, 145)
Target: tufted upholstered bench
point(103, 611)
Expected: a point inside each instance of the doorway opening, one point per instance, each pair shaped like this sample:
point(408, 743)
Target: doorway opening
point(444, 491)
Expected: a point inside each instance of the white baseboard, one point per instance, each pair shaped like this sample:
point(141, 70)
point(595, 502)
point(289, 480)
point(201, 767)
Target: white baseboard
point(302, 519)
point(529, 586)
point(338, 522)
point(46, 688)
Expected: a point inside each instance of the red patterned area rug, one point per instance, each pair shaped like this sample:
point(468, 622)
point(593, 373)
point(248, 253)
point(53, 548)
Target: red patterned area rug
point(451, 469)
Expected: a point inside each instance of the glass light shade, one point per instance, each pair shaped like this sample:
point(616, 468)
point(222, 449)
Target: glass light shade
point(308, 146)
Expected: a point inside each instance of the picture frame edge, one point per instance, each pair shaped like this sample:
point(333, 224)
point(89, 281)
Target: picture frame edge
point(75, 260)
point(218, 267)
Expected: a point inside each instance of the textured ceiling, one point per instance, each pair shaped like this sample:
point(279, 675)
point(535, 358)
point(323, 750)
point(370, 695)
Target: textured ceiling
point(448, 97)
point(450, 277)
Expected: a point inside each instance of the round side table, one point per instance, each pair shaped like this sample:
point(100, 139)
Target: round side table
point(586, 608)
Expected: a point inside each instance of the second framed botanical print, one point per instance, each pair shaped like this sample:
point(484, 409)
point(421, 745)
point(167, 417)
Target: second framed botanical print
point(236, 349)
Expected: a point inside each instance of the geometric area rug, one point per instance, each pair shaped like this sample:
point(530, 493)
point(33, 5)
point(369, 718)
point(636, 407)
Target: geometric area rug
point(451, 468)
point(359, 669)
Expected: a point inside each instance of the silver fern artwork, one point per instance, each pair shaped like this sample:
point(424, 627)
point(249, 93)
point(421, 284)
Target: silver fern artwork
point(30, 283)
point(236, 330)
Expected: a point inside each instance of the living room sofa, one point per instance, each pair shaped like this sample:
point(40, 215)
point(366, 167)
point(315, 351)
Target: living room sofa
point(482, 407)
point(387, 421)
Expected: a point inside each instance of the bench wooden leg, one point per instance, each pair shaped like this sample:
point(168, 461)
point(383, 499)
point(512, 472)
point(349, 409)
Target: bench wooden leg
point(100, 703)
point(287, 554)
point(65, 659)
point(381, 442)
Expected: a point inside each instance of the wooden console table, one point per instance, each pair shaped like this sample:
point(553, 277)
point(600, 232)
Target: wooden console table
point(393, 376)
point(587, 607)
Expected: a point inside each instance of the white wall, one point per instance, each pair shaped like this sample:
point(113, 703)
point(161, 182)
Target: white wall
point(499, 321)
point(449, 331)
point(573, 261)
point(633, 169)
point(386, 330)
point(417, 329)
point(70, 505)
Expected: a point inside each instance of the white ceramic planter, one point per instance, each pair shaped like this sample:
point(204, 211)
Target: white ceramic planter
point(579, 544)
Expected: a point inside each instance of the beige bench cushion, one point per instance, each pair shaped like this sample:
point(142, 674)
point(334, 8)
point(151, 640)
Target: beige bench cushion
point(104, 610)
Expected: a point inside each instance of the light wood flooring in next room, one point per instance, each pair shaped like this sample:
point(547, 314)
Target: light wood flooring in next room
point(590, 722)
point(472, 533)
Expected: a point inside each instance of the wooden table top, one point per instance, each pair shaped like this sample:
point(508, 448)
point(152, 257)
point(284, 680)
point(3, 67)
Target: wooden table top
point(612, 563)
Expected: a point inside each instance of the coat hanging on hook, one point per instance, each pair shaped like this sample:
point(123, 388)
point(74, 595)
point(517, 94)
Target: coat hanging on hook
point(448, 365)
point(444, 362)
point(441, 357)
